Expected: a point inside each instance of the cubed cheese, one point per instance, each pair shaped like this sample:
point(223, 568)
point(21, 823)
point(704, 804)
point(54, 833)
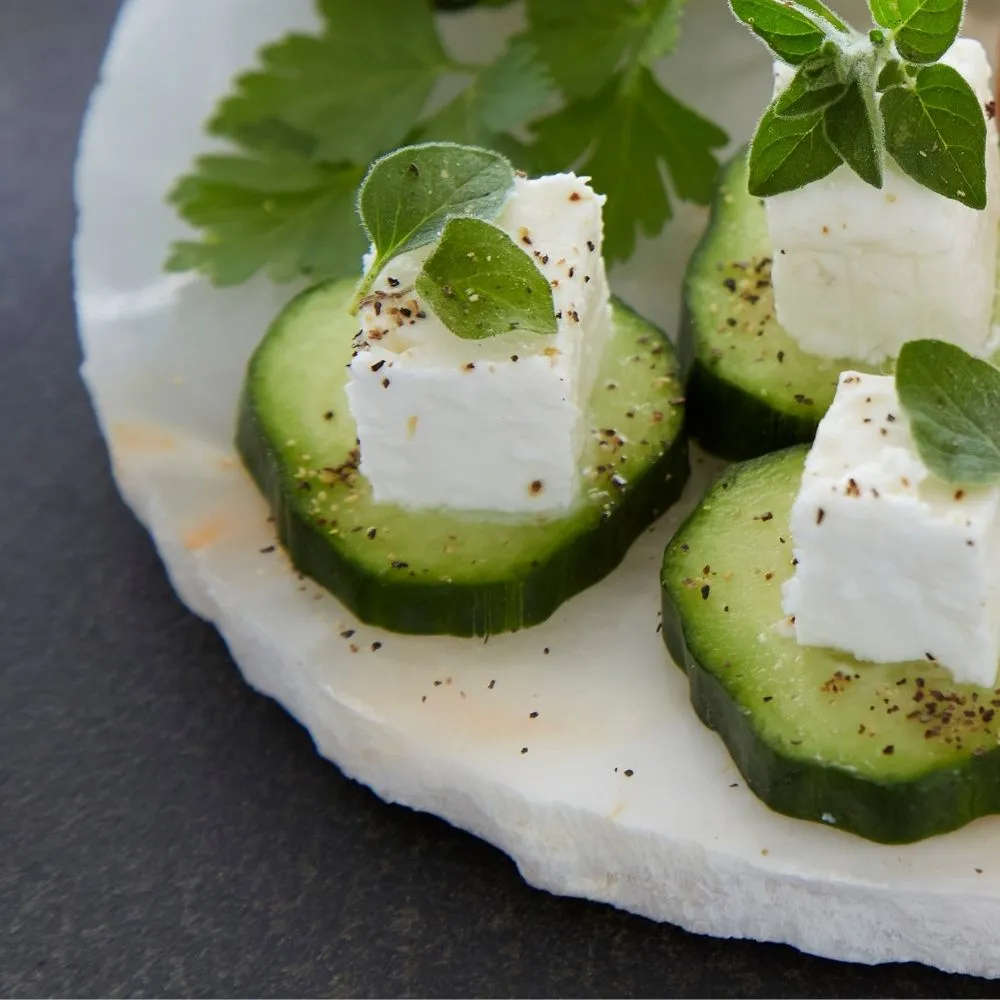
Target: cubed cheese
point(893, 564)
point(495, 424)
point(858, 272)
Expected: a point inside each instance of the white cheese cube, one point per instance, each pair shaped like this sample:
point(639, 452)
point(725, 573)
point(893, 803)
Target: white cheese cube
point(893, 564)
point(496, 424)
point(858, 272)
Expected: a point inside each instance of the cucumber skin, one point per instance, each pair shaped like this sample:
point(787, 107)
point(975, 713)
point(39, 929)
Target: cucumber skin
point(416, 607)
point(891, 812)
point(724, 419)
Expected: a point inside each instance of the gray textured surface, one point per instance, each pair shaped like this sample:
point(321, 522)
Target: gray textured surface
point(164, 831)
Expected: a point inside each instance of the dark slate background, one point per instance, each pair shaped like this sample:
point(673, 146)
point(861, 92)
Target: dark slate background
point(162, 829)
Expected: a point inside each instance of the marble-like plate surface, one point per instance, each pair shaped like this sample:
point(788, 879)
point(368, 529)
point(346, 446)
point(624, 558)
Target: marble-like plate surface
point(681, 839)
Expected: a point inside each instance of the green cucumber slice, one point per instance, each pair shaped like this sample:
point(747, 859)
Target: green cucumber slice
point(442, 572)
point(894, 753)
point(751, 388)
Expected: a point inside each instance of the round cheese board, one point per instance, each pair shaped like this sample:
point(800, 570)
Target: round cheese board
point(572, 745)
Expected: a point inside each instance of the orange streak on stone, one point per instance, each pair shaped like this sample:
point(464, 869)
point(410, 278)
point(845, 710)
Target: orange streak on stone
point(142, 438)
point(204, 534)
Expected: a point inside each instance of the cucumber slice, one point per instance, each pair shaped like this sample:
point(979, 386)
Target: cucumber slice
point(894, 753)
point(429, 572)
point(751, 388)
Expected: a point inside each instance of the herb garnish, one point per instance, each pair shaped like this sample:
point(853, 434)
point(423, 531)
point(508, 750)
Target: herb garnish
point(855, 98)
point(407, 197)
point(318, 107)
point(477, 279)
point(480, 283)
point(952, 400)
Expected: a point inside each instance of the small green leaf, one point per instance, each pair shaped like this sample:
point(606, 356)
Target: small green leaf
point(332, 87)
point(788, 32)
point(952, 401)
point(885, 12)
point(853, 128)
point(276, 213)
point(935, 130)
point(480, 283)
point(583, 42)
point(817, 84)
point(501, 96)
point(789, 153)
point(622, 138)
point(892, 75)
point(408, 196)
point(664, 30)
point(817, 7)
point(924, 29)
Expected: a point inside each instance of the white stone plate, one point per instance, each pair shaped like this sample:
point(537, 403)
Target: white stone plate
point(682, 839)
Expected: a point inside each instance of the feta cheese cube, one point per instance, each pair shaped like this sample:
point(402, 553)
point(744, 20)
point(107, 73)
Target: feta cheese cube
point(496, 424)
point(893, 564)
point(858, 272)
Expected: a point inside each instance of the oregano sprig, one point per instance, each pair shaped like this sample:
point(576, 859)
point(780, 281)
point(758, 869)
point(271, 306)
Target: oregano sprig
point(855, 98)
point(477, 280)
point(408, 196)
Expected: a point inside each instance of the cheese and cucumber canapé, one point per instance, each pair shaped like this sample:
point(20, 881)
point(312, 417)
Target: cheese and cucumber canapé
point(864, 216)
point(837, 609)
point(479, 430)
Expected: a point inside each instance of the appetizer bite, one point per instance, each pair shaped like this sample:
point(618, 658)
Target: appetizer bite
point(838, 609)
point(478, 431)
point(864, 216)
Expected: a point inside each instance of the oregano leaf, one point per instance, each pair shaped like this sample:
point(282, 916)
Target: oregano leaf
point(893, 75)
point(935, 129)
point(952, 401)
point(853, 128)
point(408, 196)
point(816, 85)
point(817, 7)
point(924, 29)
point(481, 283)
point(787, 31)
point(789, 153)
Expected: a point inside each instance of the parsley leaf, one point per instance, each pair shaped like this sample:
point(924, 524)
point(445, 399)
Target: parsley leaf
point(621, 138)
point(501, 96)
point(585, 42)
point(343, 86)
point(318, 108)
point(664, 30)
point(278, 213)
